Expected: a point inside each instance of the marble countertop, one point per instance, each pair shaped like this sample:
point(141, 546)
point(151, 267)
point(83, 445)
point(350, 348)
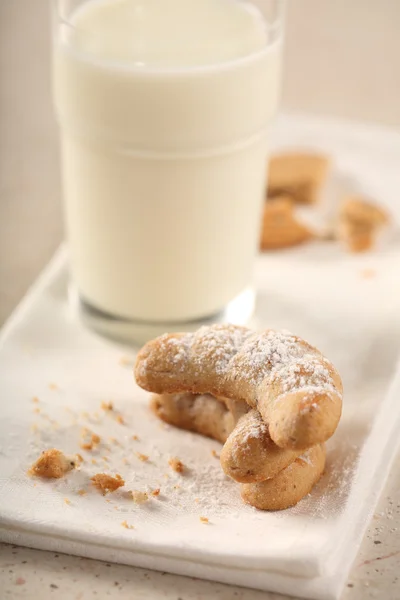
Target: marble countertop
point(30, 231)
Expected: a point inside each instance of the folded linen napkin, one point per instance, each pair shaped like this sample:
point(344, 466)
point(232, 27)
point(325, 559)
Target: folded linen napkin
point(57, 378)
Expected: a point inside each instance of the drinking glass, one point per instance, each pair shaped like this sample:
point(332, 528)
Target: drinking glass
point(164, 108)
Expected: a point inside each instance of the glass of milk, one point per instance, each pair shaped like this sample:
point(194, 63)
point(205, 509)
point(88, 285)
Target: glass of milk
point(164, 108)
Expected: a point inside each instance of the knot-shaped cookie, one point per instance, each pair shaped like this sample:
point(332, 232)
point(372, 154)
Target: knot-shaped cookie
point(272, 478)
point(296, 390)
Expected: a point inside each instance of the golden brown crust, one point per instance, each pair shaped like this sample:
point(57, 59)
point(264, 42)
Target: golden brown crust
point(54, 464)
point(296, 390)
point(297, 174)
point(280, 228)
point(290, 485)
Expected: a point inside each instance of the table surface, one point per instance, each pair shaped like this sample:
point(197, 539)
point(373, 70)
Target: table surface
point(30, 231)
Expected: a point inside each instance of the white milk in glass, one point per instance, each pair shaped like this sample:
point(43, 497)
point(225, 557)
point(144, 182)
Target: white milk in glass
point(164, 107)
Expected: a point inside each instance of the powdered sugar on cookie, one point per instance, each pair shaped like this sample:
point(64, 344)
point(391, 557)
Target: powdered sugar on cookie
point(267, 370)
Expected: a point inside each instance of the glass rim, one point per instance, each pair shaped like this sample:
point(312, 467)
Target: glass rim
point(275, 28)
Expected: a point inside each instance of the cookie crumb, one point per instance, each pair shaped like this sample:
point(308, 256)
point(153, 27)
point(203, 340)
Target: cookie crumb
point(107, 406)
point(125, 361)
point(214, 453)
point(93, 461)
point(135, 438)
point(53, 464)
point(142, 457)
point(67, 501)
point(36, 410)
point(204, 520)
point(35, 399)
point(156, 492)
point(89, 440)
point(107, 483)
point(139, 497)
point(120, 419)
point(53, 386)
point(368, 273)
point(114, 441)
point(82, 492)
point(280, 226)
point(126, 525)
point(176, 465)
point(106, 459)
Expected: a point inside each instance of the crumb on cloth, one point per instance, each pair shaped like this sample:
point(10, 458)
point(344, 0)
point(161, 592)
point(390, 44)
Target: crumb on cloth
point(139, 497)
point(125, 361)
point(89, 440)
point(107, 483)
point(176, 465)
point(142, 457)
point(53, 464)
point(126, 525)
point(204, 520)
point(368, 273)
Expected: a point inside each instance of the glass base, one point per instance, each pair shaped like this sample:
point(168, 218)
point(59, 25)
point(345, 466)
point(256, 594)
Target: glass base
point(134, 333)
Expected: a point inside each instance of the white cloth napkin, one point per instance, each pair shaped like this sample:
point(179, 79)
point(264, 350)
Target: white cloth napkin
point(318, 293)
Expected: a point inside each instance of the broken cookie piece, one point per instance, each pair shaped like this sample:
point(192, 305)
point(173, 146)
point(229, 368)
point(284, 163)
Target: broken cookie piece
point(54, 464)
point(359, 223)
point(299, 175)
point(280, 227)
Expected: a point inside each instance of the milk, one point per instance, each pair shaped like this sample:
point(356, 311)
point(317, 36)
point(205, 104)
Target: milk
point(164, 107)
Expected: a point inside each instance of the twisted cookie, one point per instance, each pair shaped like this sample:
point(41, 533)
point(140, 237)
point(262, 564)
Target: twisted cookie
point(279, 478)
point(295, 388)
point(202, 414)
point(290, 485)
point(249, 454)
